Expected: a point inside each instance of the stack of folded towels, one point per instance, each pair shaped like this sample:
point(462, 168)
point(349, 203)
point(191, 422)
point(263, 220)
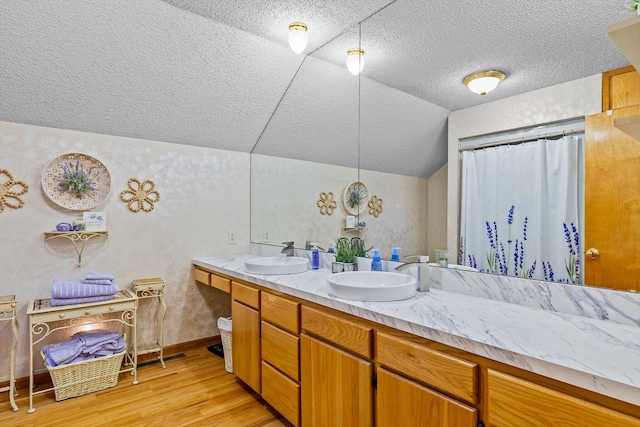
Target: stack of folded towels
point(94, 287)
point(83, 346)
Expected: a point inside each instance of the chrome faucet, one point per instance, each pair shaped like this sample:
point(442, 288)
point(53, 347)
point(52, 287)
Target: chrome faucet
point(423, 270)
point(288, 249)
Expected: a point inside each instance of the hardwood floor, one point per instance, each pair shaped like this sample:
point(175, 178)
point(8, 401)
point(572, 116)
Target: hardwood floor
point(192, 391)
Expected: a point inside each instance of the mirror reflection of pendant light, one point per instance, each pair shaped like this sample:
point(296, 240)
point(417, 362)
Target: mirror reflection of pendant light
point(298, 36)
point(484, 82)
point(355, 61)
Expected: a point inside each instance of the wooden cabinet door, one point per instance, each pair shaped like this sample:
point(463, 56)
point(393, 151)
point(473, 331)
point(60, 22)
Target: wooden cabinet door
point(612, 202)
point(404, 403)
point(336, 386)
point(245, 335)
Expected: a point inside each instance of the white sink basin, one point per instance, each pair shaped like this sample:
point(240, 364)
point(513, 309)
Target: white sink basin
point(372, 285)
point(277, 265)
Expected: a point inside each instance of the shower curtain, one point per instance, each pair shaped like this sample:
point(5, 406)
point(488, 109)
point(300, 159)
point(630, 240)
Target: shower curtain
point(520, 209)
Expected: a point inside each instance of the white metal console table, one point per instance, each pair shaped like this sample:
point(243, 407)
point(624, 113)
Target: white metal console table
point(8, 306)
point(42, 314)
point(153, 288)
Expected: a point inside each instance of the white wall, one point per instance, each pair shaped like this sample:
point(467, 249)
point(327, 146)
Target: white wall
point(573, 99)
point(437, 212)
point(204, 193)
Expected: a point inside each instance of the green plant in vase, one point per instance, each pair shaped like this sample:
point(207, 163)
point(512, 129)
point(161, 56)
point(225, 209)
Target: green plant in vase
point(635, 6)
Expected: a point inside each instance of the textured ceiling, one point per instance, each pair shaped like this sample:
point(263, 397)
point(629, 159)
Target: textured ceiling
point(220, 74)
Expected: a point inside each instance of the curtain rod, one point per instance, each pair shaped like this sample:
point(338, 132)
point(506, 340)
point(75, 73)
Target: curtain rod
point(520, 140)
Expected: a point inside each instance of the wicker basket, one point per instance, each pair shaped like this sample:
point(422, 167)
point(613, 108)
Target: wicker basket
point(225, 336)
point(85, 377)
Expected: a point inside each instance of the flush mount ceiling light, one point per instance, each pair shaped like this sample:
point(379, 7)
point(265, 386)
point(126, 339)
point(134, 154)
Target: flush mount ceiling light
point(355, 61)
point(484, 82)
point(298, 36)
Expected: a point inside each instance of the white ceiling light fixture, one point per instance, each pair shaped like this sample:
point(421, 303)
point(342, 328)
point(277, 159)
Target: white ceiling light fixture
point(484, 82)
point(298, 37)
point(355, 61)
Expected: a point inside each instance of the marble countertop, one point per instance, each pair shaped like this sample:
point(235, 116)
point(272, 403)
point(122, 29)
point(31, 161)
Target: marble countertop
point(589, 353)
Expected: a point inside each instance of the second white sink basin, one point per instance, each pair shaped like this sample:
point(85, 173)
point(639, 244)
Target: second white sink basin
point(372, 285)
point(277, 265)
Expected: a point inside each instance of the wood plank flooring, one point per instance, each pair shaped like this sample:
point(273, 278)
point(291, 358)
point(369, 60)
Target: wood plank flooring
point(192, 391)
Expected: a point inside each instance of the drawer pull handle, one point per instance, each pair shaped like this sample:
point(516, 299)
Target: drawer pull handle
point(149, 287)
point(61, 315)
point(87, 312)
point(111, 308)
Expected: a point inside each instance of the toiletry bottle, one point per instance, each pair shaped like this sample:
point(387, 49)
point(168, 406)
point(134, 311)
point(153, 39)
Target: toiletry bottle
point(395, 255)
point(332, 248)
point(376, 264)
point(315, 257)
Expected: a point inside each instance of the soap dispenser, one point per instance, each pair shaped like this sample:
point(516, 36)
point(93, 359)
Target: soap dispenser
point(376, 264)
point(315, 256)
point(332, 248)
point(395, 254)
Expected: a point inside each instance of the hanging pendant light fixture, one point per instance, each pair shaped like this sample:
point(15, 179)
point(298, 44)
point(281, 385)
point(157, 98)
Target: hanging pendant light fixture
point(484, 82)
point(355, 61)
point(298, 36)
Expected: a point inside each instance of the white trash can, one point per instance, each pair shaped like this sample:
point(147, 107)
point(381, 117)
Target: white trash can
point(224, 324)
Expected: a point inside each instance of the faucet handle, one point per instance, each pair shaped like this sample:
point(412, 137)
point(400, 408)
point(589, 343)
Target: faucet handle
point(420, 258)
point(288, 243)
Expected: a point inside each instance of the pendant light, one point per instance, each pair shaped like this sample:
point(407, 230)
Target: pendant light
point(484, 82)
point(355, 61)
point(298, 36)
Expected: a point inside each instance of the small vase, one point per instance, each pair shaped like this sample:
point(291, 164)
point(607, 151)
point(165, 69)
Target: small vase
point(350, 266)
point(337, 267)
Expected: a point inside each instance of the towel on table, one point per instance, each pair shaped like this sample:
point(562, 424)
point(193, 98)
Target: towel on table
point(97, 281)
point(64, 288)
point(56, 302)
point(100, 341)
point(92, 275)
point(63, 352)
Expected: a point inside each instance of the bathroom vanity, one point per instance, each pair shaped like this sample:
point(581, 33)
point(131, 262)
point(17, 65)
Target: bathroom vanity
point(439, 358)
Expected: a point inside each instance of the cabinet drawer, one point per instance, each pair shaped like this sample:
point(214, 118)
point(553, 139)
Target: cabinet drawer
point(281, 312)
point(513, 401)
point(202, 276)
point(281, 349)
point(281, 393)
point(446, 373)
point(221, 283)
point(246, 295)
point(352, 336)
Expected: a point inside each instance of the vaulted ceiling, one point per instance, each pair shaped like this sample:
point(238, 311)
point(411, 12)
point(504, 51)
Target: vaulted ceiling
point(220, 73)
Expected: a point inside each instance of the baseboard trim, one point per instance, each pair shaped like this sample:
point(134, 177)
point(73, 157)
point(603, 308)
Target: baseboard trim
point(44, 378)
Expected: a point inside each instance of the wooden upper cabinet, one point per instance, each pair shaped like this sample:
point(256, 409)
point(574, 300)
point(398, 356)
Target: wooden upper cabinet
point(620, 88)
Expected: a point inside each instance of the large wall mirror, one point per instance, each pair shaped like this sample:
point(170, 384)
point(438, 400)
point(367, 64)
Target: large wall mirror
point(360, 130)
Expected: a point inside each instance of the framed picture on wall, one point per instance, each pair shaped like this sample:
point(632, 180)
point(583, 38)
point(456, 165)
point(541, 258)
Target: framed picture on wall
point(95, 221)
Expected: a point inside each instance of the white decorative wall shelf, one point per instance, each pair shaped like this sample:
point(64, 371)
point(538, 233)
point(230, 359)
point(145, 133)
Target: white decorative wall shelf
point(626, 35)
point(631, 124)
point(78, 238)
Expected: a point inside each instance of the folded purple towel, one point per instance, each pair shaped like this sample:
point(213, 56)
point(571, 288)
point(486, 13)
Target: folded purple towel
point(100, 340)
point(97, 281)
point(62, 352)
point(63, 288)
point(92, 275)
point(56, 302)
